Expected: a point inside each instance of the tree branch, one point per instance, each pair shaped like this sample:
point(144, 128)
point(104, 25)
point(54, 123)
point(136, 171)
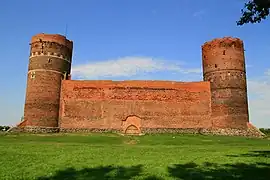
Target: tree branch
point(254, 12)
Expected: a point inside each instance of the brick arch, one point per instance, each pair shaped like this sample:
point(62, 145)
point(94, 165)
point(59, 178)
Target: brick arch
point(132, 129)
point(131, 125)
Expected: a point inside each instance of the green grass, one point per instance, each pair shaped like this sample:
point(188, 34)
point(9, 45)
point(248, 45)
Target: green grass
point(109, 156)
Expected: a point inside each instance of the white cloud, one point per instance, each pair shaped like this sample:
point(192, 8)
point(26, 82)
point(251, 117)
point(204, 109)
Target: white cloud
point(127, 67)
point(267, 72)
point(259, 98)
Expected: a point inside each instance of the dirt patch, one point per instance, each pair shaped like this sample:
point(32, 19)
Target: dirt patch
point(90, 134)
point(46, 134)
point(131, 142)
point(207, 140)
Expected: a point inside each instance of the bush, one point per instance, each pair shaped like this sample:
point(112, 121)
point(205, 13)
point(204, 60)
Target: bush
point(4, 128)
point(266, 131)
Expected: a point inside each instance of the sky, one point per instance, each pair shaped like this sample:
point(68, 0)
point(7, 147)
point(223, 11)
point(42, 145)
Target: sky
point(130, 39)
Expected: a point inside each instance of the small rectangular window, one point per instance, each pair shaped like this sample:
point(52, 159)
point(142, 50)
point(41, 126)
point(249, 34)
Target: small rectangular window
point(33, 75)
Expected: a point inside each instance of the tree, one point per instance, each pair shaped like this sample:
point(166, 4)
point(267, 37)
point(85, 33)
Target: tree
point(254, 11)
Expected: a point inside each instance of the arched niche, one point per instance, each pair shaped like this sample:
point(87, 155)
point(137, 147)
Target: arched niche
point(131, 125)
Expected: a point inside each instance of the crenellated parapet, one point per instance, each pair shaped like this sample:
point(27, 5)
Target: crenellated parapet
point(52, 38)
point(226, 42)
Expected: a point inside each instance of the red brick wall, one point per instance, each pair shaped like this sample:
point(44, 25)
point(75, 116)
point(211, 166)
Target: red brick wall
point(157, 104)
point(50, 59)
point(224, 68)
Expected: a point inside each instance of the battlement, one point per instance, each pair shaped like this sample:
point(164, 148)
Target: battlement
point(136, 84)
point(224, 42)
point(57, 38)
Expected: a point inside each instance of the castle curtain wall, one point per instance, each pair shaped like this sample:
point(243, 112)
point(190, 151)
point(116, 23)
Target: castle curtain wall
point(158, 104)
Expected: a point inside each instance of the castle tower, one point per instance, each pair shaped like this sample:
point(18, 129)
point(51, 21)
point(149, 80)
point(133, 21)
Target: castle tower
point(49, 63)
point(224, 66)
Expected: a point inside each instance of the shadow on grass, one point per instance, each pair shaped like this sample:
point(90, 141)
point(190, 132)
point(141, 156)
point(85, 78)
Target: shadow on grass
point(99, 173)
point(207, 171)
point(265, 154)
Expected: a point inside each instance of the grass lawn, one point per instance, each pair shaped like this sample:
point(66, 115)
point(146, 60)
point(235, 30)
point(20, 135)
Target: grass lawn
point(109, 156)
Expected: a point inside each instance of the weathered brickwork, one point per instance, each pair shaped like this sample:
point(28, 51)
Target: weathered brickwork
point(109, 104)
point(224, 67)
point(49, 64)
point(217, 105)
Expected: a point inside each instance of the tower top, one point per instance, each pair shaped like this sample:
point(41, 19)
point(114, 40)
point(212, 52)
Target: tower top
point(223, 42)
point(57, 38)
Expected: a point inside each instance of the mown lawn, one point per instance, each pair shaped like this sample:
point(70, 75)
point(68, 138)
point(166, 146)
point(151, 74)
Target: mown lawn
point(109, 156)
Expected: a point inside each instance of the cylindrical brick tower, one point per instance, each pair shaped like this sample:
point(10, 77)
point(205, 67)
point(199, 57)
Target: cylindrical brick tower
point(49, 63)
point(224, 66)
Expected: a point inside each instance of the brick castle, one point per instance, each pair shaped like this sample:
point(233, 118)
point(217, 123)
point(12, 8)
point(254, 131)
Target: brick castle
point(55, 103)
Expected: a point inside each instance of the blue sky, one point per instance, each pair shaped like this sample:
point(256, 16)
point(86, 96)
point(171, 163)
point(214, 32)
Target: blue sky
point(130, 39)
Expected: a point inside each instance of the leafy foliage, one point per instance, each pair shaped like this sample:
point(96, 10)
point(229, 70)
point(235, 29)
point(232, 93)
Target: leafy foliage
point(4, 128)
point(265, 131)
point(254, 11)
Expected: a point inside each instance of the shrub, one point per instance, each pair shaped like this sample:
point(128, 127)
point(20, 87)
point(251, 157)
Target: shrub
point(4, 128)
point(266, 131)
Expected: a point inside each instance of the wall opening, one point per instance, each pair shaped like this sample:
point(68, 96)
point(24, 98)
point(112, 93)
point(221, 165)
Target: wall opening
point(131, 125)
point(215, 65)
point(223, 52)
point(132, 130)
point(33, 75)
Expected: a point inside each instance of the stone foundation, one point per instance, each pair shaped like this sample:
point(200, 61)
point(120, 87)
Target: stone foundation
point(35, 130)
point(88, 130)
point(249, 132)
point(235, 132)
